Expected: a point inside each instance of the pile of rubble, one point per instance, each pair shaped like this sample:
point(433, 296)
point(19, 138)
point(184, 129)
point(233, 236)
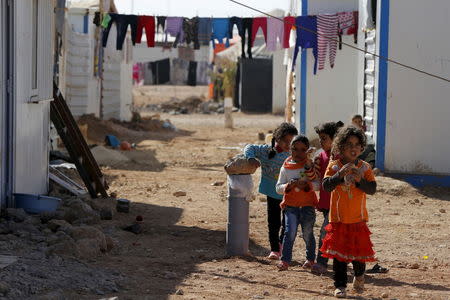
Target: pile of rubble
point(189, 105)
point(49, 249)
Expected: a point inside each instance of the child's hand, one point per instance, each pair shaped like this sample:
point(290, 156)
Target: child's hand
point(356, 174)
point(346, 169)
point(309, 164)
point(302, 185)
point(290, 185)
point(283, 204)
point(254, 162)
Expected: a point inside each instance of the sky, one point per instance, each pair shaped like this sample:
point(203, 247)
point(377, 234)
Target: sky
point(201, 8)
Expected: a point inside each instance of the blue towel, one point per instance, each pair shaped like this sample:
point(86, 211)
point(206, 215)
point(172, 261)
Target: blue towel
point(204, 30)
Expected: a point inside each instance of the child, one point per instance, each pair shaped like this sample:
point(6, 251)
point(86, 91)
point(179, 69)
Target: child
point(271, 158)
point(348, 179)
point(299, 201)
point(326, 132)
point(357, 121)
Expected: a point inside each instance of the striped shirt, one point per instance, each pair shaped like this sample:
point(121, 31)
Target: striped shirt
point(270, 168)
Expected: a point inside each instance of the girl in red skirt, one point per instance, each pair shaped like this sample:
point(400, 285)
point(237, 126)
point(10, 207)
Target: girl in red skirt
point(348, 179)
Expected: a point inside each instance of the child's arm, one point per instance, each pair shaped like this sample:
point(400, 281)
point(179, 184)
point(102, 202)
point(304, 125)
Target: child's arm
point(282, 182)
point(367, 182)
point(254, 151)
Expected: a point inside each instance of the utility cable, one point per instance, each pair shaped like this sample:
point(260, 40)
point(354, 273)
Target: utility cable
point(346, 44)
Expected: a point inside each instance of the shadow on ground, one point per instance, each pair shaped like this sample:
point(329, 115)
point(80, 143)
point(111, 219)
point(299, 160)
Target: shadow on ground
point(159, 259)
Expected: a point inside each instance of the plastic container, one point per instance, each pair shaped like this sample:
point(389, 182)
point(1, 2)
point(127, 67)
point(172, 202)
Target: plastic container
point(36, 204)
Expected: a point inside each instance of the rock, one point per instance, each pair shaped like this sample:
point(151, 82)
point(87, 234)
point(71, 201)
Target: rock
point(77, 209)
point(4, 288)
point(442, 210)
point(266, 293)
point(17, 214)
point(262, 199)
point(109, 243)
point(396, 213)
point(179, 292)
point(55, 225)
point(65, 248)
point(134, 228)
point(217, 183)
point(413, 294)
point(261, 136)
point(88, 248)
point(385, 295)
point(180, 194)
point(189, 199)
point(106, 213)
point(5, 229)
point(89, 233)
point(414, 266)
point(258, 297)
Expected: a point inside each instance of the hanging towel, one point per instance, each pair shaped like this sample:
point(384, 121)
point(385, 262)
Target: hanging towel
point(192, 73)
point(247, 25)
point(289, 24)
point(122, 22)
point(204, 30)
point(348, 25)
point(202, 72)
point(275, 30)
point(147, 22)
point(161, 71)
point(190, 29)
point(367, 15)
point(306, 38)
point(327, 29)
point(174, 27)
point(179, 74)
point(257, 23)
point(220, 28)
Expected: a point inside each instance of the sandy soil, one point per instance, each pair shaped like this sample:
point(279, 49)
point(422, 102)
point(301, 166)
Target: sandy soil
point(181, 253)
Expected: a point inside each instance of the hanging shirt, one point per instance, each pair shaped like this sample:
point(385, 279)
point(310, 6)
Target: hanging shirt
point(306, 38)
point(220, 30)
point(174, 27)
point(275, 30)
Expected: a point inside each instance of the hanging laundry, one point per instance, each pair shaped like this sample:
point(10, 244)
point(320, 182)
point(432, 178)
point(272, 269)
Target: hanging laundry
point(192, 73)
point(147, 22)
point(179, 74)
point(275, 30)
point(348, 25)
point(160, 22)
point(235, 21)
point(327, 33)
point(190, 28)
point(186, 53)
point(220, 28)
point(204, 31)
point(289, 24)
point(137, 73)
point(161, 71)
point(247, 25)
point(122, 22)
point(148, 75)
point(106, 20)
point(306, 38)
point(202, 72)
point(97, 20)
point(257, 23)
point(174, 27)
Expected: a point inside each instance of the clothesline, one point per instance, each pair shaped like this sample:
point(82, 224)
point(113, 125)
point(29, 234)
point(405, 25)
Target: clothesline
point(349, 45)
point(204, 30)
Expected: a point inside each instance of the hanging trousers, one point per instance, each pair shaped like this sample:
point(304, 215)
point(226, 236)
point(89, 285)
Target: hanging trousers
point(147, 22)
point(327, 29)
point(247, 24)
point(122, 22)
point(257, 23)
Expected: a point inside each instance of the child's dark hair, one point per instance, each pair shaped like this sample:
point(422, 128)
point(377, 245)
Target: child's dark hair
point(300, 138)
point(329, 128)
point(357, 117)
point(343, 135)
point(280, 132)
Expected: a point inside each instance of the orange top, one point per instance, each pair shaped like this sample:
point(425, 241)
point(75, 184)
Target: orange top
point(296, 197)
point(348, 203)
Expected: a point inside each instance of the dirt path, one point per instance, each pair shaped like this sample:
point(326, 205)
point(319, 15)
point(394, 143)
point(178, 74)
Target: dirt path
point(182, 247)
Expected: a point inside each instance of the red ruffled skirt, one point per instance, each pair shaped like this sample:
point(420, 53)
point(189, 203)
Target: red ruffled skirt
point(348, 242)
